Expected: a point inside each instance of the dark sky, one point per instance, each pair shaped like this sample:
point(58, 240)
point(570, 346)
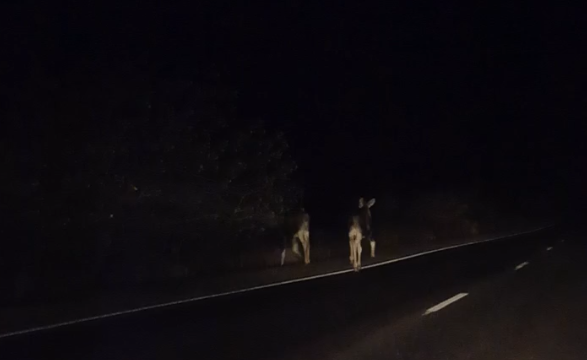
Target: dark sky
point(377, 97)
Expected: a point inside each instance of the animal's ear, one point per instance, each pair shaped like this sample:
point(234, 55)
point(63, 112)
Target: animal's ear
point(371, 203)
point(361, 202)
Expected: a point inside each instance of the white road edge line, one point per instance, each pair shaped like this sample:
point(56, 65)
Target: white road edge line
point(226, 293)
point(445, 303)
point(549, 248)
point(522, 265)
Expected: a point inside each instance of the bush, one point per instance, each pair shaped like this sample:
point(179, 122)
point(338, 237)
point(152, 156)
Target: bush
point(136, 181)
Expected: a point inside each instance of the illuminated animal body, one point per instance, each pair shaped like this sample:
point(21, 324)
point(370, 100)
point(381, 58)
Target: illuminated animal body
point(297, 230)
point(355, 237)
point(360, 228)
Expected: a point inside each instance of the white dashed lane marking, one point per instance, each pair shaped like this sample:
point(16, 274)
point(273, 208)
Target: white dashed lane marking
point(445, 303)
point(521, 265)
point(549, 248)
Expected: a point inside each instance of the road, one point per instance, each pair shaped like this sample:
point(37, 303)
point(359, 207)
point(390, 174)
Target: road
point(521, 298)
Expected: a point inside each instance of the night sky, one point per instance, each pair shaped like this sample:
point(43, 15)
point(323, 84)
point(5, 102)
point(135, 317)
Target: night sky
point(377, 98)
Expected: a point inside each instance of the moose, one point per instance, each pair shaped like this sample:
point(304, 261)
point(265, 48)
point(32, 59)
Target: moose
point(296, 228)
point(360, 228)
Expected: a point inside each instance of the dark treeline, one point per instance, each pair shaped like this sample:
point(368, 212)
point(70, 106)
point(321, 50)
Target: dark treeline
point(144, 143)
point(111, 174)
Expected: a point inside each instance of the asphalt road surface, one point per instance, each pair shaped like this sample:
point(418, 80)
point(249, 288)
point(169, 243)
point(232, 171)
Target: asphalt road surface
point(517, 298)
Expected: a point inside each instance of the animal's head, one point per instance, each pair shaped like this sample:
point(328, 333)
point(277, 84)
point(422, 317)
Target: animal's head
point(368, 204)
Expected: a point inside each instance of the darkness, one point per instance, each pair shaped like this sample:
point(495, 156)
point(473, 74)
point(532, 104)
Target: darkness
point(375, 97)
point(153, 152)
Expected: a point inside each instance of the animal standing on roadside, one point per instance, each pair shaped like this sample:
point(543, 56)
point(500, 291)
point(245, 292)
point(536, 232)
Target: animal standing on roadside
point(355, 237)
point(365, 222)
point(360, 228)
point(297, 228)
